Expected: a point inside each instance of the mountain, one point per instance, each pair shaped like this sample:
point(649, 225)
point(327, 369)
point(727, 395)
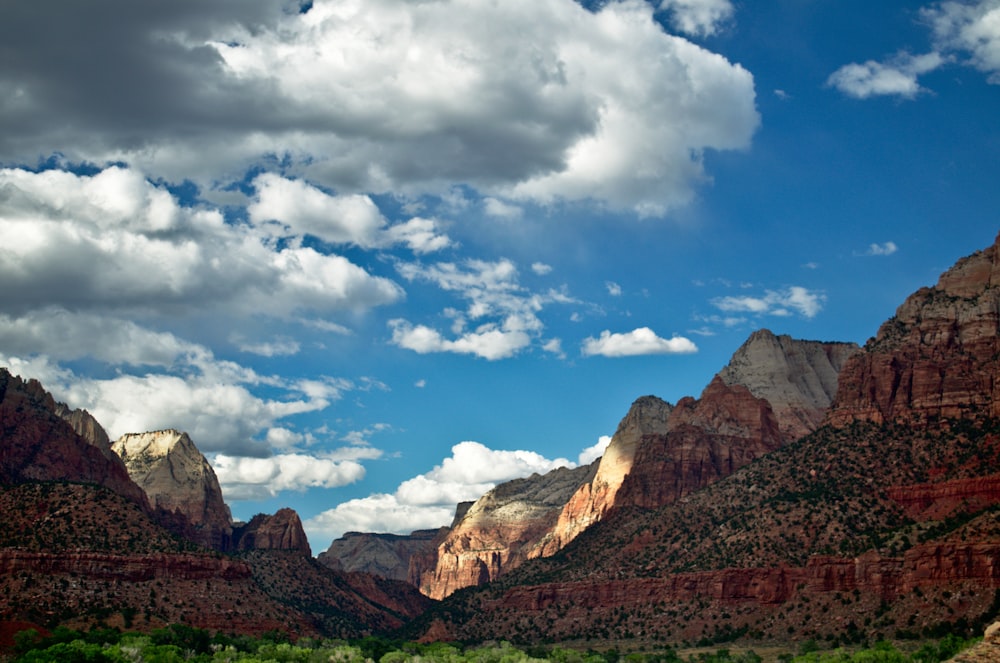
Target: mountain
point(37, 444)
point(882, 522)
point(385, 555)
point(82, 545)
point(179, 483)
point(498, 532)
point(658, 454)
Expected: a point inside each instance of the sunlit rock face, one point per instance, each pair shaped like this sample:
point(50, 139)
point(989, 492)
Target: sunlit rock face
point(498, 532)
point(938, 356)
point(180, 484)
point(797, 378)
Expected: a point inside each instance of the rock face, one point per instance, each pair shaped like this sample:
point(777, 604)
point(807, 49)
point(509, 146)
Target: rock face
point(936, 357)
point(384, 555)
point(498, 532)
point(798, 378)
point(37, 444)
point(282, 531)
point(658, 454)
point(645, 420)
point(706, 439)
point(180, 484)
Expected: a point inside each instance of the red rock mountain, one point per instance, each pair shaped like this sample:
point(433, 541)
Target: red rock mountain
point(80, 544)
point(937, 357)
point(282, 531)
point(37, 444)
point(659, 454)
point(883, 521)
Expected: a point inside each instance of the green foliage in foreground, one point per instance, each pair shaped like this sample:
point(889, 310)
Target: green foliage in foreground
point(182, 644)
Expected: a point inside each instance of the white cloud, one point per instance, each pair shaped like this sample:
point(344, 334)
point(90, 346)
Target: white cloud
point(541, 268)
point(590, 454)
point(971, 28)
point(794, 299)
point(428, 500)
point(614, 289)
point(897, 77)
point(381, 513)
point(641, 341)
point(299, 208)
point(281, 347)
point(245, 478)
point(500, 209)
point(505, 314)
point(698, 17)
point(488, 341)
point(113, 241)
point(884, 249)
point(389, 96)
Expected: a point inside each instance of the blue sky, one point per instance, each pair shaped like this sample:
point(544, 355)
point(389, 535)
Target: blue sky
point(376, 256)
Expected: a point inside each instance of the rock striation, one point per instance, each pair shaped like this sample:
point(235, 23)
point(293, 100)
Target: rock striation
point(281, 531)
point(797, 378)
point(37, 444)
point(937, 357)
point(496, 533)
point(180, 484)
point(384, 555)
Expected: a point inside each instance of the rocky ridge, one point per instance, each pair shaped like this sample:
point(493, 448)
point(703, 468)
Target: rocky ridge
point(384, 555)
point(884, 520)
point(658, 454)
point(180, 483)
point(281, 531)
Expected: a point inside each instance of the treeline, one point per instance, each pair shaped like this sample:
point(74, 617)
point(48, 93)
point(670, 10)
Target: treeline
point(185, 644)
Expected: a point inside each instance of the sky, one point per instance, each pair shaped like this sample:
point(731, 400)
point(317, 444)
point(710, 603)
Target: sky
point(376, 256)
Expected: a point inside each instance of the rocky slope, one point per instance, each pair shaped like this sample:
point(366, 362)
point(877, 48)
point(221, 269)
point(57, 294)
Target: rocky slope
point(797, 378)
point(658, 454)
point(37, 444)
point(179, 483)
point(937, 356)
point(384, 555)
point(885, 521)
point(498, 532)
point(282, 531)
point(80, 544)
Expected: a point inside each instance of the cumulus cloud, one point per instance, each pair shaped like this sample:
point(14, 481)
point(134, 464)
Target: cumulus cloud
point(641, 341)
point(428, 500)
point(698, 17)
point(884, 249)
point(244, 478)
point(794, 299)
point(971, 29)
point(500, 209)
point(383, 95)
point(966, 32)
point(541, 268)
point(614, 289)
point(114, 241)
point(505, 314)
point(590, 454)
point(298, 208)
point(896, 77)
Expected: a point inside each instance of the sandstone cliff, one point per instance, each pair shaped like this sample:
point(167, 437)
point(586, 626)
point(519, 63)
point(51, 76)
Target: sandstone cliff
point(36, 444)
point(937, 357)
point(498, 532)
point(180, 484)
point(798, 378)
point(646, 419)
point(281, 531)
point(887, 521)
point(384, 555)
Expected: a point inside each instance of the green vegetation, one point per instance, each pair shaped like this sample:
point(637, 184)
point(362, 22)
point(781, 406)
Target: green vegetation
point(183, 644)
